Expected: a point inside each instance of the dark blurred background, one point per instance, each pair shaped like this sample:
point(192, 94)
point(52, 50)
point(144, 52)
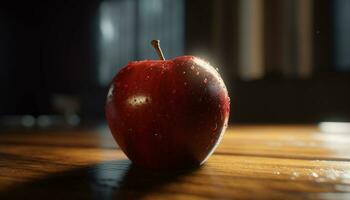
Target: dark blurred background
point(284, 61)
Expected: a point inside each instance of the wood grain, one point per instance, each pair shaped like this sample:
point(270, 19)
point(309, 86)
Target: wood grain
point(252, 162)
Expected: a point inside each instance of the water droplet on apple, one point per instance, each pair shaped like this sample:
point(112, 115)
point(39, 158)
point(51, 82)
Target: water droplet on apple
point(184, 72)
point(208, 146)
point(192, 67)
point(217, 69)
point(197, 73)
point(205, 81)
point(130, 130)
point(215, 127)
point(185, 83)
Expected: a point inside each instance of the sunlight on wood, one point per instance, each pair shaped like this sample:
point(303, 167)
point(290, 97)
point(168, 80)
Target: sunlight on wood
point(287, 162)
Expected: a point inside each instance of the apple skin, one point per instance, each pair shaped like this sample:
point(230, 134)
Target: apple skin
point(167, 114)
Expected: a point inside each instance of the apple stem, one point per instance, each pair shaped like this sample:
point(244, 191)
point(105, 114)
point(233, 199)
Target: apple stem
point(156, 45)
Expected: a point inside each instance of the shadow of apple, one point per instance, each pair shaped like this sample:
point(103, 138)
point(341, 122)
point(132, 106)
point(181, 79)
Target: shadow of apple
point(110, 180)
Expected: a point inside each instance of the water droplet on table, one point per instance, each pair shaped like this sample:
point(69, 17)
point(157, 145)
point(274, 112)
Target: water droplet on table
point(277, 173)
point(294, 175)
point(314, 174)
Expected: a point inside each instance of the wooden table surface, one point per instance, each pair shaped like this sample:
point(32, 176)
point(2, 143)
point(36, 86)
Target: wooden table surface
point(252, 162)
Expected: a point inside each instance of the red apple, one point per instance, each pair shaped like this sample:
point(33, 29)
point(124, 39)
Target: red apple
point(168, 113)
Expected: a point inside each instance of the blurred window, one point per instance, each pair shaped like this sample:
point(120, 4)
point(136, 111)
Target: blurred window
point(128, 26)
point(342, 34)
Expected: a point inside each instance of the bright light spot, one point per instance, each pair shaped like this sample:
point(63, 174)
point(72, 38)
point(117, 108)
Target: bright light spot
point(138, 100)
point(110, 93)
point(334, 127)
point(205, 65)
point(107, 29)
point(28, 121)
